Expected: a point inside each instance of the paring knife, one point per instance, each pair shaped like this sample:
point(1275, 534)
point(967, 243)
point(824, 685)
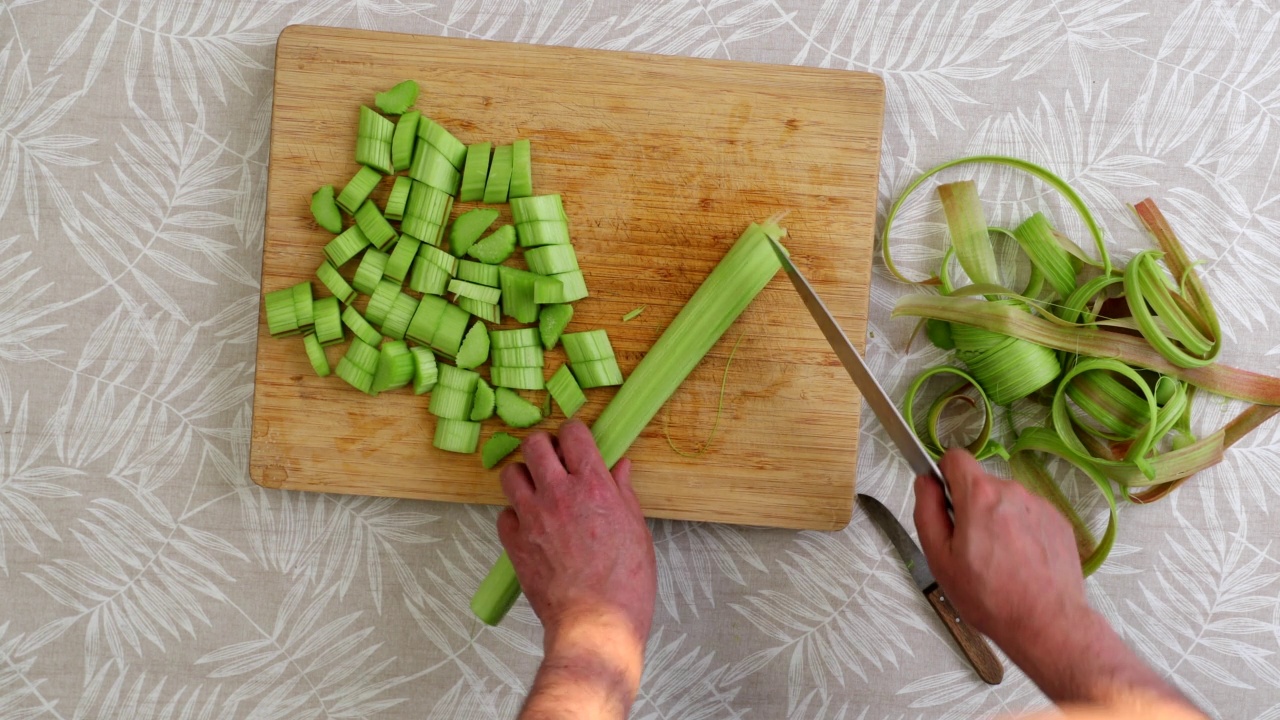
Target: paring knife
point(971, 642)
point(872, 393)
point(974, 645)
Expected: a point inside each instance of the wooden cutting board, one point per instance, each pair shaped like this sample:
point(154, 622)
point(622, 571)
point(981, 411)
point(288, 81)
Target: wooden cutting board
point(662, 162)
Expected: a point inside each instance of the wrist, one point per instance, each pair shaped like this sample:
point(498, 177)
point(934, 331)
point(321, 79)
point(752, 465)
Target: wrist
point(593, 660)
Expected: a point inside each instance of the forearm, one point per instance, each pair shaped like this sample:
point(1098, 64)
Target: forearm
point(1084, 662)
point(591, 669)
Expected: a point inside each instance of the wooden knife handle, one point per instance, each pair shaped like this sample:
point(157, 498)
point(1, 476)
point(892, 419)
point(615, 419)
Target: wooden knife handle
point(971, 642)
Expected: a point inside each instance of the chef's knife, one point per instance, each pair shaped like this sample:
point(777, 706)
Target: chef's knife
point(971, 643)
point(872, 393)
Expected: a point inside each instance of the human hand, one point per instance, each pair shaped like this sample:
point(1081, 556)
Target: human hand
point(1010, 566)
point(576, 535)
point(1008, 562)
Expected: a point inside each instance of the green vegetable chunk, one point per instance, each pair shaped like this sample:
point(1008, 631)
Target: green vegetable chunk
point(425, 372)
point(395, 366)
point(370, 270)
point(518, 290)
point(498, 446)
point(554, 319)
point(374, 226)
point(496, 248)
point(488, 312)
point(398, 99)
point(468, 228)
point(442, 140)
point(325, 210)
point(329, 276)
point(402, 255)
point(499, 181)
point(566, 392)
point(521, 170)
point(515, 410)
point(482, 293)
point(475, 347)
point(520, 378)
point(315, 354)
point(341, 249)
point(282, 316)
point(328, 320)
point(398, 198)
point(478, 273)
point(361, 327)
point(497, 592)
point(475, 172)
point(562, 288)
point(403, 140)
point(460, 436)
point(357, 189)
point(482, 403)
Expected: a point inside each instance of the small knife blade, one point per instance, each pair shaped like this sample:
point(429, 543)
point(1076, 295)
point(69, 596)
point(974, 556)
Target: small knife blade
point(874, 395)
point(971, 642)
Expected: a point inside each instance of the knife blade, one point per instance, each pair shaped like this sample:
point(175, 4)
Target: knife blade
point(971, 642)
point(874, 395)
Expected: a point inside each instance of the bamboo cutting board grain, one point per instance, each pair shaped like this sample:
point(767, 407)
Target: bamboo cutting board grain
point(662, 162)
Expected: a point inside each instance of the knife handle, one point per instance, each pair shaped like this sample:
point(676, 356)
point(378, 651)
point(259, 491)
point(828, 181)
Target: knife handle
point(971, 642)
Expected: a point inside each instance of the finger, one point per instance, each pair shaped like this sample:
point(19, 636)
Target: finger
point(508, 528)
point(964, 476)
point(517, 485)
point(932, 522)
point(581, 456)
point(622, 475)
point(544, 465)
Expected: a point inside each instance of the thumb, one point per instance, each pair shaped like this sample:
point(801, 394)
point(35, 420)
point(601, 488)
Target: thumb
point(933, 524)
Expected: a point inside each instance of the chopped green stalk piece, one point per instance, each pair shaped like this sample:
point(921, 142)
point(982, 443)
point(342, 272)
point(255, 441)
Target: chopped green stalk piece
point(564, 388)
point(315, 353)
point(482, 403)
point(426, 212)
point(515, 410)
point(370, 271)
point(402, 256)
point(543, 232)
point(329, 276)
point(498, 446)
point(448, 336)
point(363, 355)
point(439, 257)
point(432, 168)
point(380, 301)
point(496, 248)
point(328, 320)
point(395, 366)
point(520, 378)
point(357, 189)
point(518, 294)
point(562, 288)
point(302, 303)
point(346, 246)
point(398, 198)
point(460, 436)
point(475, 172)
point(449, 402)
point(478, 273)
point(521, 170)
point(586, 346)
point(355, 377)
point(546, 406)
point(374, 154)
point(398, 99)
point(633, 314)
point(499, 181)
point(553, 321)
point(539, 207)
point(488, 312)
point(325, 210)
point(437, 137)
point(519, 337)
point(597, 373)
point(402, 142)
point(551, 259)
point(425, 372)
point(475, 347)
point(427, 277)
point(527, 356)
point(422, 328)
point(361, 327)
point(282, 317)
point(468, 227)
point(483, 293)
point(374, 226)
point(399, 317)
point(459, 378)
point(374, 126)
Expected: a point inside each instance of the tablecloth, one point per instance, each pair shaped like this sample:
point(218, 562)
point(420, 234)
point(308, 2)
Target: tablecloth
point(145, 576)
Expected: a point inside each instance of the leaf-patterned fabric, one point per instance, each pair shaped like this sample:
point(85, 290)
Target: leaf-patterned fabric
point(145, 576)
